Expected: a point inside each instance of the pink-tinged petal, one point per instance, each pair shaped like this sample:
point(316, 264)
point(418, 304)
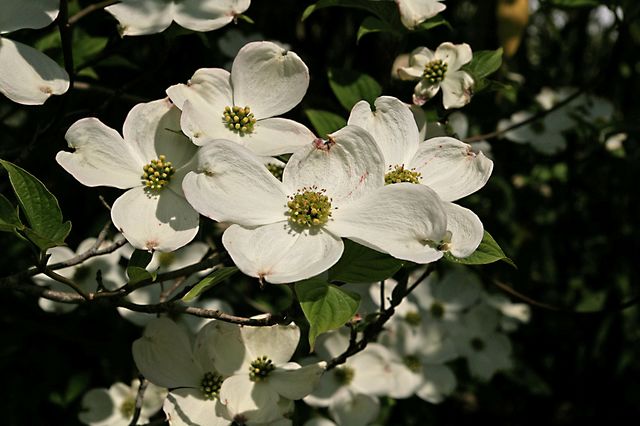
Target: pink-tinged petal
point(208, 15)
point(277, 342)
point(28, 76)
point(101, 156)
point(424, 91)
point(163, 222)
point(438, 382)
point(231, 184)
point(466, 230)
point(187, 407)
point(276, 136)
point(154, 129)
point(163, 355)
point(415, 12)
point(392, 126)
point(253, 402)
point(348, 166)
point(451, 168)
point(405, 220)
point(457, 88)
point(16, 15)
point(294, 382)
point(139, 17)
point(454, 55)
point(278, 254)
point(208, 87)
point(268, 79)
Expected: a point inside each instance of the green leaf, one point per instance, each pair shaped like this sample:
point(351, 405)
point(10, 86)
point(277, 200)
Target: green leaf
point(434, 22)
point(40, 208)
point(484, 63)
point(213, 279)
point(137, 274)
point(9, 219)
point(325, 306)
point(136, 267)
point(371, 24)
point(325, 122)
point(351, 86)
point(488, 252)
point(360, 264)
point(386, 11)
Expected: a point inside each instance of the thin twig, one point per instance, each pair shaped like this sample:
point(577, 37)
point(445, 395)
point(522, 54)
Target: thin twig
point(64, 280)
point(89, 9)
point(139, 400)
point(66, 39)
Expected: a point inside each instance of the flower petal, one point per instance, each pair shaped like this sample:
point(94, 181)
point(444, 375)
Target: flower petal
point(294, 382)
point(347, 166)
point(392, 126)
point(276, 136)
point(164, 355)
point(16, 15)
point(361, 410)
point(402, 219)
point(139, 17)
point(163, 222)
point(154, 129)
point(415, 12)
point(231, 184)
point(424, 91)
point(101, 156)
point(277, 342)
point(223, 344)
point(279, 254)
point(268, 78)
point(186, 407)
point(28, 76)
point(438, 382)
point(209, 87)
point(208, 15)
point(418, 58)
point(253, 402)
point(454, 55)
point(451, 168)
point(457, 88)
point(98, 408)
point(466, 230)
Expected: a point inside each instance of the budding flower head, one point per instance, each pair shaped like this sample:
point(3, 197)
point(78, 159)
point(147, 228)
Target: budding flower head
point(210, 385)
point(400, 174)
point(260, 368)
point(238, 119)
point(157, 174)
point(309, 207)
point(435, 71)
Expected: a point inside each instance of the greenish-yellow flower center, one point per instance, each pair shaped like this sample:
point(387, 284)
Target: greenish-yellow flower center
point(260, 368)
point(128, 407)
point(413, 363)
point(157, 174)
point(437, 310)
point(239, 119)
point(477, 344)
point(309, 207)
point(275, 170)
point(399, 174)
point(435, 71)
point(210, 385)
point(413, 318)
point(344, 374)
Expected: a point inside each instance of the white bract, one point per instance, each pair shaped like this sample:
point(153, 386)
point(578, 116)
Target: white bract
point(28, 76)
point(115, 406)
point(83, 274)
point(262, 380)
point(444, 164)
point(265, 81)
point(440, 69)
point(291, 230)
point(139, 17)
point(415, 12)
point(151, 158)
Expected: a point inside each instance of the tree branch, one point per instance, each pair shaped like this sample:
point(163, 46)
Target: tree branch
point(139, 400)
point(90, 9)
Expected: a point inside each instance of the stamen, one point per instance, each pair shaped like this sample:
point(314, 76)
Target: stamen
point(260, 368)
point(435, 71)
point(157, 174)
point(238, 119)
point(400, 174)
point(210, 385)
point(309, 207)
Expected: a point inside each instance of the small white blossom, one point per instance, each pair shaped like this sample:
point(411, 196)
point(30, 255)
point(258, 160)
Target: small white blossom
point(440, 69)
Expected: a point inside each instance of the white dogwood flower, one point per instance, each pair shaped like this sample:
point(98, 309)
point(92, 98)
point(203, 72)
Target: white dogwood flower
point(415, 12)
point(444, 164)
point(27, 76)
point(139, 17)
point(265, 81)
point(440, 69)
point(291, 230)
point(115, 406)
point(151, 159)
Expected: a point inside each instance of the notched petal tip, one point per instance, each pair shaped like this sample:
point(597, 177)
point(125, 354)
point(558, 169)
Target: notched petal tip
point(324, 145)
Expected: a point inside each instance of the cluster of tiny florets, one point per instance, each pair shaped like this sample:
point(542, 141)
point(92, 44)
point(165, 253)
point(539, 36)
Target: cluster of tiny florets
point(344, 374)
point(157, 174)
point(435, 71)
point(276, 170)
point(399, 174)
point(210, 385)
point(238, 119)
point(260, 368)
point(309, 207)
